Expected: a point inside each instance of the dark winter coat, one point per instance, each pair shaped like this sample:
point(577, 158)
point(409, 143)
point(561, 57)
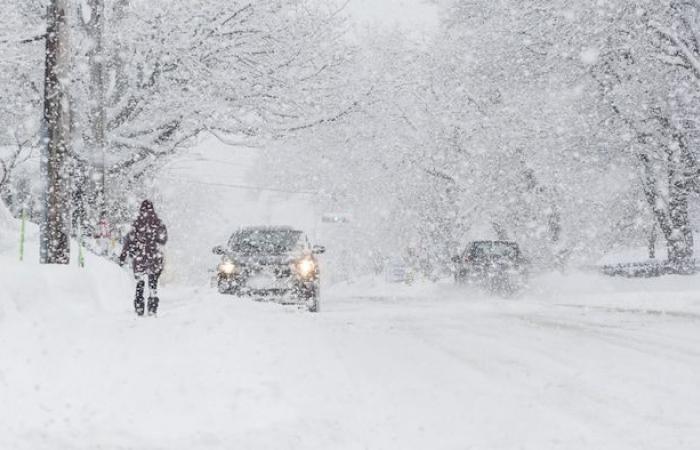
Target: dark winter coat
point(144, 240)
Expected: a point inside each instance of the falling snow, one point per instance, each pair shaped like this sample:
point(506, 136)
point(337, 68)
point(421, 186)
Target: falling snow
point(385, 224)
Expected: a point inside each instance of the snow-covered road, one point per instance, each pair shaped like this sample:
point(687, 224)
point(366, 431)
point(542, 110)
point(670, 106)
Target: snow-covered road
point(382, 367)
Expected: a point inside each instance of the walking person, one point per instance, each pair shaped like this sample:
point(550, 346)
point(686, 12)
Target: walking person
point(144, 244)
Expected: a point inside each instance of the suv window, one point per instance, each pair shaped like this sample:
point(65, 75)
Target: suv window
point(266, 242)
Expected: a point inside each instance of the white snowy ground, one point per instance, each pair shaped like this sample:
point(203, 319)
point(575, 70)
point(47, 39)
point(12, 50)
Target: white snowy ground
point(578, 362)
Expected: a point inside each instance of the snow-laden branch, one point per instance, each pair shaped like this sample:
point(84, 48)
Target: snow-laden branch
point(219, 135)
point(8, 166)
point(27, 40)
point(685, 52)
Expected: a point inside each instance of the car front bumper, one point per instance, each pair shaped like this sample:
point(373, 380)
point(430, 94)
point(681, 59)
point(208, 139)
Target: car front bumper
point(289, 288)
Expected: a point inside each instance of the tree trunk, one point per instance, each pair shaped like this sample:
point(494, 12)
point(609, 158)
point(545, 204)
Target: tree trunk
point(55, 239)
point(90, 182)
point(672, 215)
point(96, 138)
point(680, 240)
point(652, 243)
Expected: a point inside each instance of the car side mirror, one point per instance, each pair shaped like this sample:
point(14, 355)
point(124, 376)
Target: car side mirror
point(218, 250)
point(318, 250)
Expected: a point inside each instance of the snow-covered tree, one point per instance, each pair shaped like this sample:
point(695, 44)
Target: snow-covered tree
point(647, 81)
point(21, 53)
point(493, 128)
point(173, 71)
point(146, 78)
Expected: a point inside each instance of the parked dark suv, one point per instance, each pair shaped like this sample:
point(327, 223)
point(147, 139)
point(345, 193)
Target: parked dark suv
point(496, 265)
point(270, 261)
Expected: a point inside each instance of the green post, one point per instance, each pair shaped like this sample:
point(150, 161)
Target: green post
point(21, 235)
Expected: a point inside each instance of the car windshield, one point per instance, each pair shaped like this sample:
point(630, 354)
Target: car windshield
point(265, 242)
point(494, 250)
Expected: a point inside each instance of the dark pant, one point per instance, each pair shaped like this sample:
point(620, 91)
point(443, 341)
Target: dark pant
point(152, 293)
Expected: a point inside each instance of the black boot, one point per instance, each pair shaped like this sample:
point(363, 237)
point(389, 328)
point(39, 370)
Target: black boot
point(138, 301)
point(139, 306)
point(152, 305)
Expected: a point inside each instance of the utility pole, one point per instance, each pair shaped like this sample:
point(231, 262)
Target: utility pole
point(55, 240)
point(94, 27)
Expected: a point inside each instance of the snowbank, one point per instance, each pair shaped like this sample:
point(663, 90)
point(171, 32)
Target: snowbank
point(624, 255)
point(590, 289)
point(665, 293)
point(26, 286)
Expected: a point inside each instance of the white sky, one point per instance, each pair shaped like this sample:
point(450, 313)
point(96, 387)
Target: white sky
point(404, 13)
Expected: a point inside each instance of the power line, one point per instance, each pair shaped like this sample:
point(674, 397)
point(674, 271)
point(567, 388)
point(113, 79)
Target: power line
point(239, 186)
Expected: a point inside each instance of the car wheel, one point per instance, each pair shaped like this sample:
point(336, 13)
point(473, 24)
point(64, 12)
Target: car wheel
point(313, 302)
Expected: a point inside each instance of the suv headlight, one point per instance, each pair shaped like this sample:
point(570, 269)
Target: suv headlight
point(227, 267)
point(306, 267)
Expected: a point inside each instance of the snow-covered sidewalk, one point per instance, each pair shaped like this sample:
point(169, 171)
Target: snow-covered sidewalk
point(381, 368)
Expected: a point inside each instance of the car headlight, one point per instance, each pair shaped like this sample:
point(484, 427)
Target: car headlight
point(306, 267)
point(227, 267)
